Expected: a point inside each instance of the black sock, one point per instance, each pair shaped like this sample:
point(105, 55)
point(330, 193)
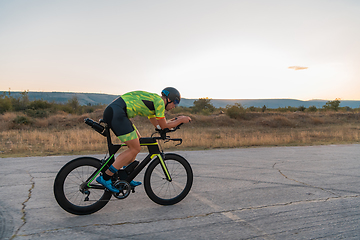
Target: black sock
point(106, 177)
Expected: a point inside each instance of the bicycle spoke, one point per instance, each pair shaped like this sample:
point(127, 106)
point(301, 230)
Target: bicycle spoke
point(169, 189)
point(72, 187)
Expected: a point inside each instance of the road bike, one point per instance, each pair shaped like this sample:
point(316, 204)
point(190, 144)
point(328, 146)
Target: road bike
point(167, 179)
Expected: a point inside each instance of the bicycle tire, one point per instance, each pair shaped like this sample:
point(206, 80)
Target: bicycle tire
point(165, 192)
point(67, 187)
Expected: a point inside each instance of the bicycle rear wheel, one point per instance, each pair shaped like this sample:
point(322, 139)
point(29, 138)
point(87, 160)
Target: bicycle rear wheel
point(165, 192)
point(70, 193)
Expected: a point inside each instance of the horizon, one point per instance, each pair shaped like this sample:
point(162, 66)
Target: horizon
point(229, 99)
point(218, 49)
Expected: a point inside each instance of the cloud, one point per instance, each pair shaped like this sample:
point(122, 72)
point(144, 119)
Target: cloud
point(298, 68)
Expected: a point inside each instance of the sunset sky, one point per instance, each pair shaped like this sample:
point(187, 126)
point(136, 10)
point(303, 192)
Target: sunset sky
point(228, 49)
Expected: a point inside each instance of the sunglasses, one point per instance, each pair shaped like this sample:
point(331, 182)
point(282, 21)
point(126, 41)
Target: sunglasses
point(176, 102)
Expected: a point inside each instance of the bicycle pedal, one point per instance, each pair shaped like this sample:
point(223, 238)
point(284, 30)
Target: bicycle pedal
point(132, 189)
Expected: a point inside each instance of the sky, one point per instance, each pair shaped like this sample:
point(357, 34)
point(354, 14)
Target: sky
point(221, 49)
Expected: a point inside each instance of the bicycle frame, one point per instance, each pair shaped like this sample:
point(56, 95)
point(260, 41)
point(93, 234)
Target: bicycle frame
point(154, 151)
point(167, 179)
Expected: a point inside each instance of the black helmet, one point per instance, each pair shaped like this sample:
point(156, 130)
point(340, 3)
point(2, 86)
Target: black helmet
point(172, 94)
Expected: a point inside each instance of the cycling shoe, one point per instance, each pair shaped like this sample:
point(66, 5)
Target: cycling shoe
point(108, 184)
point(135, 183)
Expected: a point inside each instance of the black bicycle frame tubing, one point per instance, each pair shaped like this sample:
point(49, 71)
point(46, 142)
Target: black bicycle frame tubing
point(112, 150)
point(139, 168)
point(153, 149)
point(144, 162)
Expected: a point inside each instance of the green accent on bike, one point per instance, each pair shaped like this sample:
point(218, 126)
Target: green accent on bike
point(99, 171)
point(144, 144)
point(148, 144)
point(163, 165)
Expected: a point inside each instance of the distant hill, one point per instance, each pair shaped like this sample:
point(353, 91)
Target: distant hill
point(63, 97)
point(99, 98)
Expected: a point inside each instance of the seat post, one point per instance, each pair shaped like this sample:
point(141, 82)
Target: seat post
point(112, 148)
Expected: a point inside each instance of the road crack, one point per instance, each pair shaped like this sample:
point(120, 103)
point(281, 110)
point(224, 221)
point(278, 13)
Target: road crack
point(303, 183)
point(23, 210)
point(230, 213)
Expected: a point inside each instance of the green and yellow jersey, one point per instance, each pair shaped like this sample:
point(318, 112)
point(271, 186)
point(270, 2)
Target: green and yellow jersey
point(141, 103)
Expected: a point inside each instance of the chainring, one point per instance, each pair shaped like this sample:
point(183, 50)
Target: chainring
point(124, 188)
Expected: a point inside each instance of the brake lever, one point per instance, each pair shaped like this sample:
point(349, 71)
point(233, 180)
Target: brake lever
point(163, 132)
point(180, 140)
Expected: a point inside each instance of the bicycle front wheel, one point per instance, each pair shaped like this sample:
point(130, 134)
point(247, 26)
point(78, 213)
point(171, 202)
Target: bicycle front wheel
point(70, 192)
point(160, 189)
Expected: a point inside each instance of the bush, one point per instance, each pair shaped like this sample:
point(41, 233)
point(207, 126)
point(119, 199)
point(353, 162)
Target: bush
point(5, 104)
point(203, 105)
point(22, 120)
point(254, 109)
point(332, 105)
point(236, 111)
point(263, 109)
point(287, 109)
point(312, 109)
point(39, 104)
point(301, 108)
point(21, 103)
point(40, 113)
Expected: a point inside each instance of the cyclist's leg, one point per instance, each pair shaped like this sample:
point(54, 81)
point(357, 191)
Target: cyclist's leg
point(126, 132)
point(125, 158)
point(128, 156)
point(115, 116)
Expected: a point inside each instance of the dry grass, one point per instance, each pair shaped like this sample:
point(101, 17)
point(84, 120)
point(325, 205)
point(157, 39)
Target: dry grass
point(46, 142)
point(66, 134)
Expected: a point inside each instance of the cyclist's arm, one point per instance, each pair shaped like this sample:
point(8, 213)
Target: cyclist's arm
point(154, 122)
point(169, 124)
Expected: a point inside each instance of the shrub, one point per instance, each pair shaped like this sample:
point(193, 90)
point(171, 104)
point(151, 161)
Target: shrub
point(39, 104)
point(5, 104)
point(203, 104)
point(301, 108)
point(206, 112)
point(287, 109)
point(22, 120)
point(333, 105)
point(263, 109)
point(254, 109)
point(21, 103)
point(39, 113)
point(312, 109)
point(236, 111)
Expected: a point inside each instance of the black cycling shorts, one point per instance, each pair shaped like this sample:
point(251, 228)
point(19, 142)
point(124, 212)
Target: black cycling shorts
point(116, 117)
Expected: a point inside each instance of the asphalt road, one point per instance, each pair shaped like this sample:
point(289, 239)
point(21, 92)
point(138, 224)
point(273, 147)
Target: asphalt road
point(255, 193)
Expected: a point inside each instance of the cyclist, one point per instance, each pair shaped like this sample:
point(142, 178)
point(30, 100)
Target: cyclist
point(129, 105)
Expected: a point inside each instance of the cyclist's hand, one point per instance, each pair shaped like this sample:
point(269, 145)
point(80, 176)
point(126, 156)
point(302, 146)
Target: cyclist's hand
point(184, 119)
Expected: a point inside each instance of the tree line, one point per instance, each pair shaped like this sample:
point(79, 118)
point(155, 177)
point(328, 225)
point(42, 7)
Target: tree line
point(205, 107)
point(42, 108)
